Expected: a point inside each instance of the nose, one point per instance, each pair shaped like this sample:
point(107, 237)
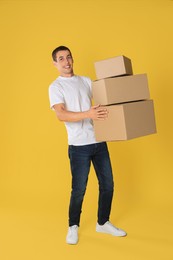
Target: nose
point(67, 61)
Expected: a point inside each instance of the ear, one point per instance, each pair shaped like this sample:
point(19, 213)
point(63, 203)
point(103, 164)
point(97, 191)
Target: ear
point(54, 63)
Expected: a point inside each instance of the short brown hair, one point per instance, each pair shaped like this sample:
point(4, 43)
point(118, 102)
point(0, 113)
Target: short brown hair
point(60, 48)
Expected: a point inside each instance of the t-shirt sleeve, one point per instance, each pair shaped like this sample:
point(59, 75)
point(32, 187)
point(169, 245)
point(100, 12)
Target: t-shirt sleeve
point(55, 96)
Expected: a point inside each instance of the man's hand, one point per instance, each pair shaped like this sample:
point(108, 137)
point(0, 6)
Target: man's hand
point(98, 113)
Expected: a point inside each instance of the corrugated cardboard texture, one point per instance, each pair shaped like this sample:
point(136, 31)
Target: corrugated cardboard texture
point(120, 89)
point(127, 121)
point(112, 67)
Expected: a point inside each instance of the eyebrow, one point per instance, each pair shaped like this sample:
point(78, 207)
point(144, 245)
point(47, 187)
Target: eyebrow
point(69, 55)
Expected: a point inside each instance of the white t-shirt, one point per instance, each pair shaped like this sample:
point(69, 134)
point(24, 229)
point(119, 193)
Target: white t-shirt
point(75, 92)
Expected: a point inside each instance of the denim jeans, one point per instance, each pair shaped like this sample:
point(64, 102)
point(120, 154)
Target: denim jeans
point(80, 161)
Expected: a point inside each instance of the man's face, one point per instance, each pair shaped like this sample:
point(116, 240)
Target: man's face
point(64, 63)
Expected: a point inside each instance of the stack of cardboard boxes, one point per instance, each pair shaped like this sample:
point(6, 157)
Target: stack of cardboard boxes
point(127, 99)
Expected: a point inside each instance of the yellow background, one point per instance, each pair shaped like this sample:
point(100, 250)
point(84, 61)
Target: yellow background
point(34, 170)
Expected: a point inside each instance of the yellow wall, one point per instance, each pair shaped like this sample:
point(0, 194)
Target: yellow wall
point(34, 169)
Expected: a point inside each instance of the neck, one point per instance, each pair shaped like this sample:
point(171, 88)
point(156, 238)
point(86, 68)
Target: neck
point(67, 75)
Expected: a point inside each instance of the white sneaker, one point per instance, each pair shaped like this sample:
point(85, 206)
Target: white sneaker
point(72, 235)
point(108, 228)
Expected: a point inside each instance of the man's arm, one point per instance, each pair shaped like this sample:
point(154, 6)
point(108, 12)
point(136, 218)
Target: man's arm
point(95, 113)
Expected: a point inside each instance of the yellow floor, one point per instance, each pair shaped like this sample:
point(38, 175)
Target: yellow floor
point(39, 234)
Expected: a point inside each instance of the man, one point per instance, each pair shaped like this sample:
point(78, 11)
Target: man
point(70, 96)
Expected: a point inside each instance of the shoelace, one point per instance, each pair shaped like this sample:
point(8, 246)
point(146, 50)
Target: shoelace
point(73, 227)
point(112, 225)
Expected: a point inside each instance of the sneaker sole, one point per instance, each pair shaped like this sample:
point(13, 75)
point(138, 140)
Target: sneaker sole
point(103, 232)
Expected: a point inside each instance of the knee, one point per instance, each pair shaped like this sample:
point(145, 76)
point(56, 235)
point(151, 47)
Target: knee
point(78, 193)
point(107, 187)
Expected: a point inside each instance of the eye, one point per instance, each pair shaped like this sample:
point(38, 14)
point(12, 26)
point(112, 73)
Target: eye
point(69, 57)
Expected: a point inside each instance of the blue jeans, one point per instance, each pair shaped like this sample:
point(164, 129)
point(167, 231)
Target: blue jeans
point(80, 161)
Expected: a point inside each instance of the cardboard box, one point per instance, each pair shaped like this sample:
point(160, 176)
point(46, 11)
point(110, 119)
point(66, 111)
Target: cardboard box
point(112, 67)
point(127, 121)
point(120, 89)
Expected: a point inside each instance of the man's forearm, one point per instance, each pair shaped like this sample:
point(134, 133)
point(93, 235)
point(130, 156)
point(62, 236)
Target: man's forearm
point(69, 116)
point(95, 112)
